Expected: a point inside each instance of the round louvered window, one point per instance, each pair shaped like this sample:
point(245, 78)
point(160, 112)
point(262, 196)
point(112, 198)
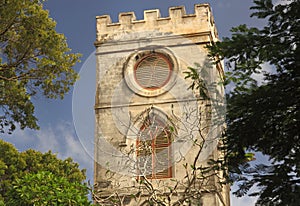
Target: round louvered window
point(153, 71)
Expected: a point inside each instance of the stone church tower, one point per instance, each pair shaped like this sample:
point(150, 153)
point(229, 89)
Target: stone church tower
point(156, 131)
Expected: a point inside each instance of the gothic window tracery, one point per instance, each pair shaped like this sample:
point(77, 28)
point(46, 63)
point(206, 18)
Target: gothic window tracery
point(154, 149)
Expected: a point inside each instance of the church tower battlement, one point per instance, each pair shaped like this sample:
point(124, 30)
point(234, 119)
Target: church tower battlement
point(178, 22)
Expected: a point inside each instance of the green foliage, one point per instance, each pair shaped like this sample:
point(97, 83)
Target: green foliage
point(265, 118)
point(44, 188)
point(201, 79)
point(34, 59)
point(197, 82)
point(17, 167)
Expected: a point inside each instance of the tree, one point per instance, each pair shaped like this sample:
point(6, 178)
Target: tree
point(265, 117)
point(44, 188)
point(34, 178)
point(35, 59)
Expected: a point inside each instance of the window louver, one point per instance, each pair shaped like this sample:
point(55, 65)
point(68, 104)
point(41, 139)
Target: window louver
point(153, 71)
point(153, 149)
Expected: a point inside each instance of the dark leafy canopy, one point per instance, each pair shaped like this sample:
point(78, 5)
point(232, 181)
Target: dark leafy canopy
point(32, 177)
point(265, 118)
point(34, 59)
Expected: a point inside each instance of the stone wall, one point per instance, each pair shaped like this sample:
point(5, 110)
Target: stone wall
point(119, 102)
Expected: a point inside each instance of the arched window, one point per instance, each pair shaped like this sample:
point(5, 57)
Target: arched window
point(154, 157)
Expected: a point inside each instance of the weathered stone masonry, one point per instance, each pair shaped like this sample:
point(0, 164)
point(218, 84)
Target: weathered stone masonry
point(120, 100)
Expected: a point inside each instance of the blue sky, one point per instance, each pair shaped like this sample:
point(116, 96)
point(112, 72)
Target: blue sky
point(67, 126)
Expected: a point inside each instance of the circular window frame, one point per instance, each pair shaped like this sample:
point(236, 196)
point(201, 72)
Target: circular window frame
point(136, 59)
point(157, 57)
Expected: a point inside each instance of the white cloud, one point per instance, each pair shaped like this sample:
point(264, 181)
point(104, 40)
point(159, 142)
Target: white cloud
point(242, 201)
point(60, 139)
point(259, 77)
point(245, 200)
point(283, 2)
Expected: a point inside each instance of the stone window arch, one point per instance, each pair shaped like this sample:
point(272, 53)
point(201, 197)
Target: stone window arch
point(153, 147)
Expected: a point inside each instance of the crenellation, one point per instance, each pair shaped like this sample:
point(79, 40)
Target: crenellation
point(176, 13)
point(178, 22)
point(201, 9)
point(151, 15)
point(103, 20)
point(126, 18)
